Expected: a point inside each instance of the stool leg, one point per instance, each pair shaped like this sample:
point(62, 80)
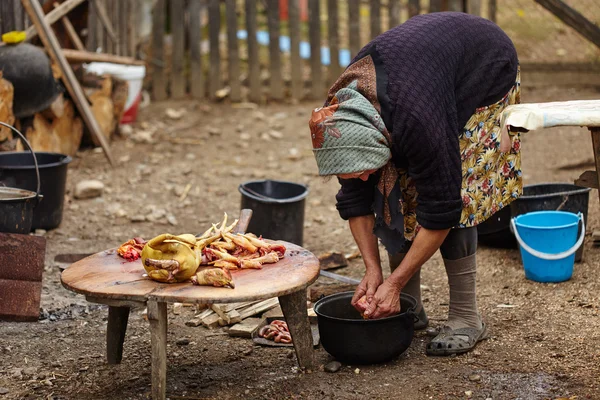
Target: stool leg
point(294, 310)
point(157, 316)
point(115, 333)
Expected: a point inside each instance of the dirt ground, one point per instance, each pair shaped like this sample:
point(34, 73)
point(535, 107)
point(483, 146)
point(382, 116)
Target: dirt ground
point(545, 338)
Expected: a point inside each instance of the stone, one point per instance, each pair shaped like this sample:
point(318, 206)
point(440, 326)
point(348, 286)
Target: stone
point(172, 220)
point(40, 232)
point(182, 342)
point(56, 364)
point(469, 393)
point(276, 134)
point(333, 366)
point(138, 218)
point(89, 189)
point(475, 378)
point(83, 369)
point(3, 391)
point(30, 371)
point(213, 131)
point(174, 114)
point(357, 371)
point(17, 373)
point(125, 130)
point(245, 136)
point(294, 154)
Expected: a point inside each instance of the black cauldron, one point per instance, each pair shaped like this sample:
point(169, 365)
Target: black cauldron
point(353, 340)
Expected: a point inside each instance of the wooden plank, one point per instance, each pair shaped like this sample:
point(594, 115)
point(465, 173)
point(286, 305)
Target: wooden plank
point(455, 5)
point(34, 10)
point(19, 15)
point(123, 18)
point(588, 179)
point(375, 16)
point(296, 316)
point(573, 18)
point(297, 87)
point(214, 24)
point(334, 40)
point(596, 146)
point(78, 56)
point(73, 36)
point(314, 29)
point(233, 54)
point(195, 38)
point(275, 79)
point(394, 13)
point(159, 82)
point(414, 8)
point(105, 19)
point(157, 317)
point(253, 59)
point(91, 39)
point(492, 10)
point(115, 333)
point(474, 7)
point(54, 16)
point(435, 6)
point(246, 327)
point(258, 308)
point(114, 19)
point(354, 26)
point(100, 34)
point(178, 47)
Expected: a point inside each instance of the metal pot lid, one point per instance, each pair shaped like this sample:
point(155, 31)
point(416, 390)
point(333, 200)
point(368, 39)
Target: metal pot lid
point(8, 194)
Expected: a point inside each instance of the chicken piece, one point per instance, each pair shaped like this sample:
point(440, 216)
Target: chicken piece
point(250, 264)
point(225, 264)
point(214, 255)
point(257, 263)
point(213, 277)
point(361, 306)
point(131, 250)
point(241, 241)
point(264, 247)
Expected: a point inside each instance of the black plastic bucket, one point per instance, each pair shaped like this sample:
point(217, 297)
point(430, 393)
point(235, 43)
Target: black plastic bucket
point(541, 197)
point(278, 209)
point(17, 170)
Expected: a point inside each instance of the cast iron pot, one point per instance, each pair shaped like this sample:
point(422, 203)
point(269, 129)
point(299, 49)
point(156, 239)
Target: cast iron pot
point(353, 340)
point(17, 205)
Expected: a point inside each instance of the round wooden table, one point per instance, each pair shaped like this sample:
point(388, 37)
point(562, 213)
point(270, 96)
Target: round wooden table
point(106, 278)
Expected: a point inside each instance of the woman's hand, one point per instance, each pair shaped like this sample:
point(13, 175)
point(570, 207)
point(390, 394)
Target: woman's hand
point(367, 287)
point(385, 302)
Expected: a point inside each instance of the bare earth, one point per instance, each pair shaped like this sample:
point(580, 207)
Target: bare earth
point(546, 345)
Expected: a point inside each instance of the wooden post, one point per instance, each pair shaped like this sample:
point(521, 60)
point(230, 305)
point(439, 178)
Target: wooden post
point(91, 40)
point(275, 80)
point(314, 28)
point(595, 131)
point(123, 18)
point(455, 5)
point(394, 13)
point(159, 83)
point(375, 15)
point(414, 8)
point(99, 31)
point(53, 16)
point(196, 71)
point(214, 24)
point(334, 40)
point(115, 333)
point(36, 14)
point(492, 10)
point(354, 26)
point(178, 45)
point(157, 317)
point(104, 18)
point(132, 24)
point(253, 60)
point(294, 310)
point(233, 54)
point(294, 23)
point(435, 6)
point(574, 19)
point(111, 41)
point(70, 29)
point(474, 7)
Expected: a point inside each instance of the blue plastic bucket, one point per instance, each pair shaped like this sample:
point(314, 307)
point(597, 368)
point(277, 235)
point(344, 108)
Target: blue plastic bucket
point(548, 242)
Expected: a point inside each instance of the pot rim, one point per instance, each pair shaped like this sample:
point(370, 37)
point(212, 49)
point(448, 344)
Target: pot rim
point(20, 194)
point(320, 302)
point(66, 159)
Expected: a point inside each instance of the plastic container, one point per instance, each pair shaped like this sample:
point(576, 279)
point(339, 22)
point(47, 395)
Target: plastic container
point(17, 170)
point(548, 241)
point(278, 209)
point(134, 75)
point(495, 232)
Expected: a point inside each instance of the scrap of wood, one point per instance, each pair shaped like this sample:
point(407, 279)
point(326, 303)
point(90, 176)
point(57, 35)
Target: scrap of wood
point(53, 16)
point(103, 15)
point(573, 18)
point(81, 56)
point(75, 40)
point(56, 109)
point(588, 179)
point(245, 328)
point(259, 308)
point(332, 260)
point(212, 321)
point(48, 37)
point(197, 320)
point(275, 312)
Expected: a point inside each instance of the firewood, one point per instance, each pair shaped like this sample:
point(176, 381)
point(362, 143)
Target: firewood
point(245, 328)
point(6, 108)
point(259, 308)
point(212, 321)
point(103, 111)
point(120, 89)
point(56, 109)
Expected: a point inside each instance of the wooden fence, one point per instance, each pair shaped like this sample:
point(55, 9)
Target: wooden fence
point(266, 50)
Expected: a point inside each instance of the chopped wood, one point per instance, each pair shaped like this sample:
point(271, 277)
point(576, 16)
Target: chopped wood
point(259, 307)
point(211, 321)
point(316, 291)
point(119, 98)
point(54, 16)
point(588, 179)
point(6, 108)
point(194, 322)
point(332, 260)
point(79, 56)
point(233, 317)
point(273, 313)
point(56, 109)
point(245, 328)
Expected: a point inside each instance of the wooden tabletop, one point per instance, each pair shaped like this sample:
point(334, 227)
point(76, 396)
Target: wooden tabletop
point(108, 276)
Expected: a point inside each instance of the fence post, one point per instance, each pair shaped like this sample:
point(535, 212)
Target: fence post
point(354, 25)
point(334, 40)
point(314, 28)
point(123, 13)
point(474, 7)
point(178, 48)
point(297, 88)
point(394, 13)
point(196, 72)
point(455, 5)
point(159, 88)
point(492, 8)
point(414, 8)
point(375, 15)
point(214, 28)
point(435, 6)
point(253, 61)
point(275, 79)
point(233, 52)
point(91, 42)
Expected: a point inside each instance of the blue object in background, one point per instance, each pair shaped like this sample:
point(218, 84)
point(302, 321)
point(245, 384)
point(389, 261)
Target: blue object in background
point(262, 37)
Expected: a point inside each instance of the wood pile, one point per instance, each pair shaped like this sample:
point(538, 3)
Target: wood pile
point(216, 315)
point(6, 113)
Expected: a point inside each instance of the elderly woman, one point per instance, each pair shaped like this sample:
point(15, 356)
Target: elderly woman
point(412, 130)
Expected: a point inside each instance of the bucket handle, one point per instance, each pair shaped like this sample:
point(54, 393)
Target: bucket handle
point(261, 196)
point(37, 170)
point(547, 256)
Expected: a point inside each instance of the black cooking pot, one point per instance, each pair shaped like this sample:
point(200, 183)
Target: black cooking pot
point(17, 205)
point(353, 340)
